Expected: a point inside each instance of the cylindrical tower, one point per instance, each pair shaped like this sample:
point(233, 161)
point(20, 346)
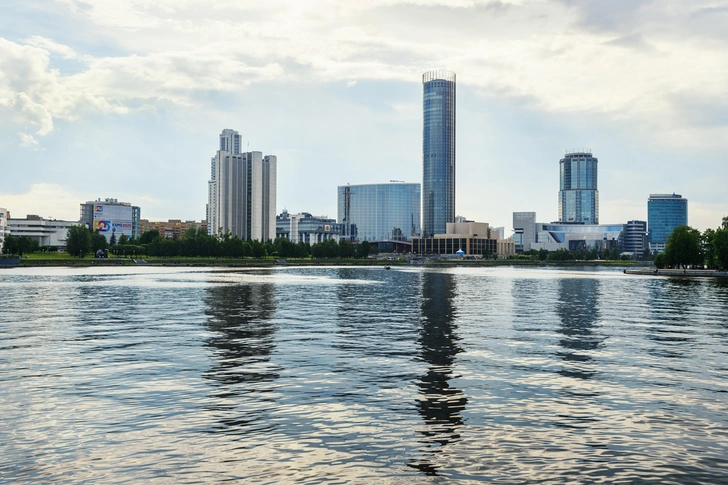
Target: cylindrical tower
point(438, 151)
point(578, 194)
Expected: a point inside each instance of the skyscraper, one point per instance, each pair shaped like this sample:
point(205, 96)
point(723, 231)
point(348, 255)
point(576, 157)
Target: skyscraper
point(578, 194)
point(242, 192)
point(438, 152)
point(665, 212)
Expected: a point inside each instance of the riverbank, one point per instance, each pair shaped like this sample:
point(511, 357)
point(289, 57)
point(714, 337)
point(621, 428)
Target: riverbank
point(270, 262)
point(681, 273)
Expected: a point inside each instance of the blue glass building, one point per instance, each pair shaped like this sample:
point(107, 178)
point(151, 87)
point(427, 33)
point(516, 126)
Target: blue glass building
point(438, 152)
point(578, 194)
point(665, 212)
point(379, 212)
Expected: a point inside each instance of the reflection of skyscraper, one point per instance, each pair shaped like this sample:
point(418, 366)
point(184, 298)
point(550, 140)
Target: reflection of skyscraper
point(440, 405)
point(438, 152)
point(578, 194)
point(243, 338)
point(578, 308)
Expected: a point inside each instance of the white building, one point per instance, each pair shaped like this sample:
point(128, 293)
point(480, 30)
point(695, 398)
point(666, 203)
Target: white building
point(47, 232)
point(242, 191)
point(111, 217)
point(4, 215)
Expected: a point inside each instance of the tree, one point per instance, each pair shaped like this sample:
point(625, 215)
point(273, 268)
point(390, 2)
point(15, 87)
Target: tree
point(149, 236)
point(706, 241)
point(123, 240)
point(98, 241)
point(720, 248)
point(112, 241)
point(683, 247)
point(78, 240)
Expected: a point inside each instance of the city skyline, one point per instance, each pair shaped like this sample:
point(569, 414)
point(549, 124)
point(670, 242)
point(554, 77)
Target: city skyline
point(127, 102)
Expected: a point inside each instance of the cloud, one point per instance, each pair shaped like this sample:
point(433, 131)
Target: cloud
point(41, 198)
point(27, 140)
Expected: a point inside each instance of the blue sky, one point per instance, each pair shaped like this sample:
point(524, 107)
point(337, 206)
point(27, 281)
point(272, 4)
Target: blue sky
point(125, 99)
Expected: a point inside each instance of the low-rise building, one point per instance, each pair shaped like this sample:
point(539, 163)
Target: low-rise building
point(472, 238)
point(4, 216)
point(634, 238)
point(173, 228)
point(304, 227)
point(46, 232)
point(573, 237)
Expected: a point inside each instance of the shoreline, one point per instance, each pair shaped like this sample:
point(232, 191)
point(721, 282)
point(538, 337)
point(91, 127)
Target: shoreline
point(678, 273)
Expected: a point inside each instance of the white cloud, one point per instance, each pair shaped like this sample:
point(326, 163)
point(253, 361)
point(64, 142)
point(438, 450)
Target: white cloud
point(42, 198)
point(27, 140)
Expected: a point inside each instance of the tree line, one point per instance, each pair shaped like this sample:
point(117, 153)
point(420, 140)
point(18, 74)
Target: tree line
point(197, 243)
point(686, 246)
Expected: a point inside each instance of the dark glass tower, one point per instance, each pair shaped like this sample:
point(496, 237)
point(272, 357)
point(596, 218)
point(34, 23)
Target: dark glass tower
point(438, 152)
point(578, 194)
point(665, 212)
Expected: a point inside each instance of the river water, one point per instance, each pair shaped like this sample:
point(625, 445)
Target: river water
point(361, 375)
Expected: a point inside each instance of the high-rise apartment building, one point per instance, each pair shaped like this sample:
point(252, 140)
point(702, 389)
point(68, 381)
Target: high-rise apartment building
point(438, 152)
point(241, 191)
point(634, 238)
point(578, 194)
point(665, 212)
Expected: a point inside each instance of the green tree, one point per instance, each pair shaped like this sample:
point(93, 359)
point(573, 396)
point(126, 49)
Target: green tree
point(659, 261)
point(9, 245)
point(683, 247)
point(112, 241)
point(78, 241)
point(706, 241)
point(26, 245)
point(123, 239)
point(98, 241)
point(720, 248)
point(149, 236)
point(542, 254)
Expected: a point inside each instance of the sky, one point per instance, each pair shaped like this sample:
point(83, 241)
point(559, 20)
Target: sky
point(126, 98)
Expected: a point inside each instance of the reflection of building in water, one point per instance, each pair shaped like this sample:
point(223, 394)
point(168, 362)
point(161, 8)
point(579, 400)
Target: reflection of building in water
point(242, 341)
point(439, 404)
point(578, 309)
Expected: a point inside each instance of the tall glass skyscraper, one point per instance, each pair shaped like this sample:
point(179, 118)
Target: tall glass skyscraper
point(380, 212)
point(578, 195)
point(438, 152)
point(665, 212)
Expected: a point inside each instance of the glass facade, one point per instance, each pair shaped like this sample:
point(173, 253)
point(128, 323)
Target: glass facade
point(582, 236)
point(379, 212)
point(665, 212)
point(578, 195)
point(438, 152)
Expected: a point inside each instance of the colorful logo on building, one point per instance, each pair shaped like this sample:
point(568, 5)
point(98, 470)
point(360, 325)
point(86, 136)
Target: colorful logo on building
point(98, 209)
point(102, 226)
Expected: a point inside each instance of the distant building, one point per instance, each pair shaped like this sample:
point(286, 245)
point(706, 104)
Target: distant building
point(665, 212)
point(634, 238)
point(307, 228)
point(111, 217)
point(241, 191)
point(472, 238)
point(577, 237)
point(388, 214)
point(499, 231)
point(4, 216)
point(173, 228)
point(46, 232)
point(524, 229)
point(578, 194)
point(438, 151)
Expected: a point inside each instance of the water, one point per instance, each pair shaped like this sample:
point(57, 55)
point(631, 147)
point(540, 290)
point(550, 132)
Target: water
point(360, 375)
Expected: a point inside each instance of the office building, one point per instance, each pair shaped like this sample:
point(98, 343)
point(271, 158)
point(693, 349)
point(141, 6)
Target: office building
point(475, 239)
point(634, 238)
point(173, 228)
point(111, 217)
point(241, 191)
point(383, 213)
point(524, 231)
point(577, 237)
point(46, 232)
point(4, 216)
point(438, 152)
point(307, 228)
point(578, 194)
point(665, 212)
